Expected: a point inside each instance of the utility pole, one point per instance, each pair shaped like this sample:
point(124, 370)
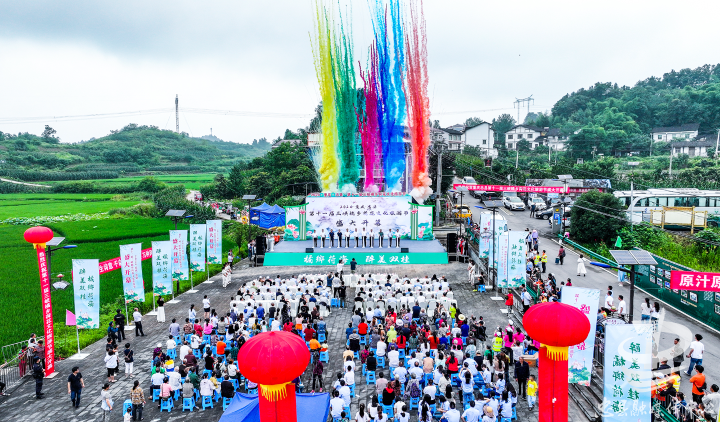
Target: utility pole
point(717, 143)
point(517, 156)
point(522, 101)
point(671, 156)
point(439, 185)
point(177, 115)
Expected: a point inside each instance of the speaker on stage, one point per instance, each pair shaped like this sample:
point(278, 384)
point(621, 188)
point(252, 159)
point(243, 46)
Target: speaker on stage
point(309, 250)
point(260, 245)
point(452, 242)
point(404, 250)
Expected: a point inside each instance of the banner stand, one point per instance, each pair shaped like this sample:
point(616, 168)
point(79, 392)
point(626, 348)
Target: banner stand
point(192, 286)
point(78, 355)
point(128, 326)
point(173, 298)
point(207, 267)
point(154, 312)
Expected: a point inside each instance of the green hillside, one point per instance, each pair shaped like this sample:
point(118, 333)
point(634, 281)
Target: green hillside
point(132, 149)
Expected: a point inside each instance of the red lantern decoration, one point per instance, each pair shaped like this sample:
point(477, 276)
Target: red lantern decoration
point(556, 326)
point(38, 235)
point(272, 360)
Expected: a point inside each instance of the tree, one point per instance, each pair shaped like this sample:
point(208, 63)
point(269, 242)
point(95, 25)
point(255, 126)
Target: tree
point(597, 217)
point(49, 135)
point(473, 121)
point(151, 184)
point(530, 118)
point(523, 145)
point(503, 124)
point(436, 124)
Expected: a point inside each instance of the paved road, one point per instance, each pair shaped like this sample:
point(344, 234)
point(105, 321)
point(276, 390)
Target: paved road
point(672, 323)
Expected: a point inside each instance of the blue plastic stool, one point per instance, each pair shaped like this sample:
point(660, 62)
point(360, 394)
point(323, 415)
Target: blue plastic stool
point(166, 404)
point(388, 410)
point(216, 396)
point(514, 413)
point(206, 338)
point(226, 403)
point(481, 288)
point(197, 353)
point(334, 303)
point(252, 391)
point(188, 404)
point(172, 354)
point(414, 402)
point(352, 390)
point(455, 379)
point(505, 420)
point(381, 361)
point(364, 369)
point(347, 411)
point(188, 337)
point(177, 394)
point(324, 357)
point(370, 377)
point(156, 394)
point(356, 355)
point(362, 340)
point(207, 402)
point(321, 337)
point(127, 404)
point(209, 373)
point(427, 378)
point(235, 383)
point(402, 353)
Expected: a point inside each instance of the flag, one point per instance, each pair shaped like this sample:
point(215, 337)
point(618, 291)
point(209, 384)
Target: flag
point(618, 242)
point(69, 318)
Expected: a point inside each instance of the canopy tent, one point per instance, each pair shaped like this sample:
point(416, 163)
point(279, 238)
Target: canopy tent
point(267, 216)
point(246, 408)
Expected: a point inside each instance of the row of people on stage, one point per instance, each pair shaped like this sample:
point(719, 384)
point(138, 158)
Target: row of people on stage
point(363, 238)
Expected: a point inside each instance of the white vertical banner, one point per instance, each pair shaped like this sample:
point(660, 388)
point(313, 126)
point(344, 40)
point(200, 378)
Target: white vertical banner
point(179, 255)
point(502, 259)
point(500, 228)
point(162, 268)
point(580, 356)
point(516, 258)
point(86, 283)
point(131, 267)
point(485, 235)
point(197, 246)
point(214, 241)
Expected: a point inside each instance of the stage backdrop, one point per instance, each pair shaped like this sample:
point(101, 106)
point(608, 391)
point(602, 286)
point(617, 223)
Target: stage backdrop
point(296, 226)
point(355, 212)
point(580, 356)
point(421, 222)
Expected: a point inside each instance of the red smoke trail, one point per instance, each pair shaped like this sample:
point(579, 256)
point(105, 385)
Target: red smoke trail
point(418, 103)
point(369, 126)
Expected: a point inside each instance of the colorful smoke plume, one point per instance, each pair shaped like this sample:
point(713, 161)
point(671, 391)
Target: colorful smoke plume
point(346, 103)
point(369, 126)
point(416, 88)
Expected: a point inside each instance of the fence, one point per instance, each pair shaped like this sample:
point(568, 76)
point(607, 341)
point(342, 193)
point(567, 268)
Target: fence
point(15, 365)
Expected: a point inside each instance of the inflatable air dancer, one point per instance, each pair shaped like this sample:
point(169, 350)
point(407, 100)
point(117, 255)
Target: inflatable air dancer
point(556, 326)
point(272, 360)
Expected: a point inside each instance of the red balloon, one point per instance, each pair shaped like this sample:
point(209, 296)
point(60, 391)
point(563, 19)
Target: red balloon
point(556, 324)
point(273, 357)
point(38, 234)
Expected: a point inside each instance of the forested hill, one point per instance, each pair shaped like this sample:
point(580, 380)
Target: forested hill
point(612, 117)
point(131, 149)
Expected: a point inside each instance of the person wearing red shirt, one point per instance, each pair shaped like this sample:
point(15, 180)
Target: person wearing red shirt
point(362, 327)
point(434, 340)
point(288, 327)
point(452, 364)
point(309, 333)
point(401, 341)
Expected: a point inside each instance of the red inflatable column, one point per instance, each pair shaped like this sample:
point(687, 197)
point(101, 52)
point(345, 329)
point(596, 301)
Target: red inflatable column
point(280, 410)
point(553, 388)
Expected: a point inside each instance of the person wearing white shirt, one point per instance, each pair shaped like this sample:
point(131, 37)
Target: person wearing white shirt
point(323, 236)
point(393, 358)
point(608, 302)
point(430, 390)
point(206, 386)
point(315, 236)
point(417, 371)
point(452, 415)
point(356, 234)
point(275, 326)
point(349, 376)
point(184, 351)
point(376, 238)
point(340, 266)
point(471, 414)
point(381, 347)
point(371, 235)
point(364, 238)
point(347, 238)
point(194, 341)
point(622, 306)
point(695, 354)
point(336, 405)
point(387, 237)
point(171, 343)
point(345, 393)
point(400, 373)
point(174, 379)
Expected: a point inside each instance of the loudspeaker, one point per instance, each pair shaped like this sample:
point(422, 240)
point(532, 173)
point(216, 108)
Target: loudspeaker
point(309, 250)
point(404, 250)
point(260, 245)
point(452, 242)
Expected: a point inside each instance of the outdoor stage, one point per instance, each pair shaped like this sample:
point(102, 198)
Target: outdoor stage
point(419, 252)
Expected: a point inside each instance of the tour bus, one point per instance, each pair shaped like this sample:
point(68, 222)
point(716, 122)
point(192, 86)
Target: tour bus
point(640, 205)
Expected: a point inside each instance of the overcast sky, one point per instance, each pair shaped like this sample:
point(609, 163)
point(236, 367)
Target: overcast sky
point(67, 58)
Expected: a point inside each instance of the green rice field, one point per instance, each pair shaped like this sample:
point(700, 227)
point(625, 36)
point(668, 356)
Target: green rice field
point(33, 205)
point(191, 181)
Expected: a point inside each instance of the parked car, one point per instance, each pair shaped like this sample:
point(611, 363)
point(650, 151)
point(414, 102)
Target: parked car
point(538, 202)
point(513, 203)
point(469, 180)
point(461, 211)
point(548, 213)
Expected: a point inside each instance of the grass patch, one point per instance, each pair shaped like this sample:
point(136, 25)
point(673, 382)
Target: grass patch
point(59, 207)
point(191, 181)
point(20, 285)
point(54, 196)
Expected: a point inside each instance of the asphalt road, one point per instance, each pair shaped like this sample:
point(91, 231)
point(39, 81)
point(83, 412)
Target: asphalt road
point(672, 323)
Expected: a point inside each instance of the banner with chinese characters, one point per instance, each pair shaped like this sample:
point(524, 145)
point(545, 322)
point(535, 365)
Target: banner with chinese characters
point(484, 235)
point(580, 356)
point(179, 266)
point(48, 328)
point(390, 258)
point(356, 212)
point(627, 375)
point(500, 228)
point(214, 241)
point(114, 264)
point(162, 268)
point(516, 259)
point(197, 246)
point(502, 260)
point(86, 283)
point(691, 280)
point(131, 267)
point(296, 226)
point(421, 222)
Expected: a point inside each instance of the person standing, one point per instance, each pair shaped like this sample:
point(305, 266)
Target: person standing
point(137, 318)
point(75, 386)
point(347, 238)
point(317, 374)
point(315, 236)
point(581, 266)
point(376, 238)
point(543, 261)
point(522, 373)
point(677, 352)
point(532, 210)
point(340, 266)
point(332, 238)
point(371, 235)
point(129, 357)
point(697, 349)
point(323, 236)
point(340, 238)
point(397, 238)
point(160, 309)
point(106, 401)
point(137, 396)
point(698, 382)
point(353, 266)
point(561, 254)
point(622, 309)
point(39, 376)
point(206, 306)
point(364, 238)
point(111, 364)
point(356, 233)
point(119, 319)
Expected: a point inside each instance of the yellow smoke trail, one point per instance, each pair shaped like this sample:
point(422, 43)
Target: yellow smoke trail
point(323, 47)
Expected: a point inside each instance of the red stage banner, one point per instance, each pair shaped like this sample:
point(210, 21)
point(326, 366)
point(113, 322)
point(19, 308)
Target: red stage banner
point(690, 280)
point(114, 264)
point(47, 311)
point(535, 189)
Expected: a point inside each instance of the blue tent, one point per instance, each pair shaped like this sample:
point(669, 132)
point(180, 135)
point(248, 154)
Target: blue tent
point(246, 408)
point(267, 216)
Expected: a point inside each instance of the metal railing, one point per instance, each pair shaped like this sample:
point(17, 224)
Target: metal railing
point(587, 251)
point(14, 370)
